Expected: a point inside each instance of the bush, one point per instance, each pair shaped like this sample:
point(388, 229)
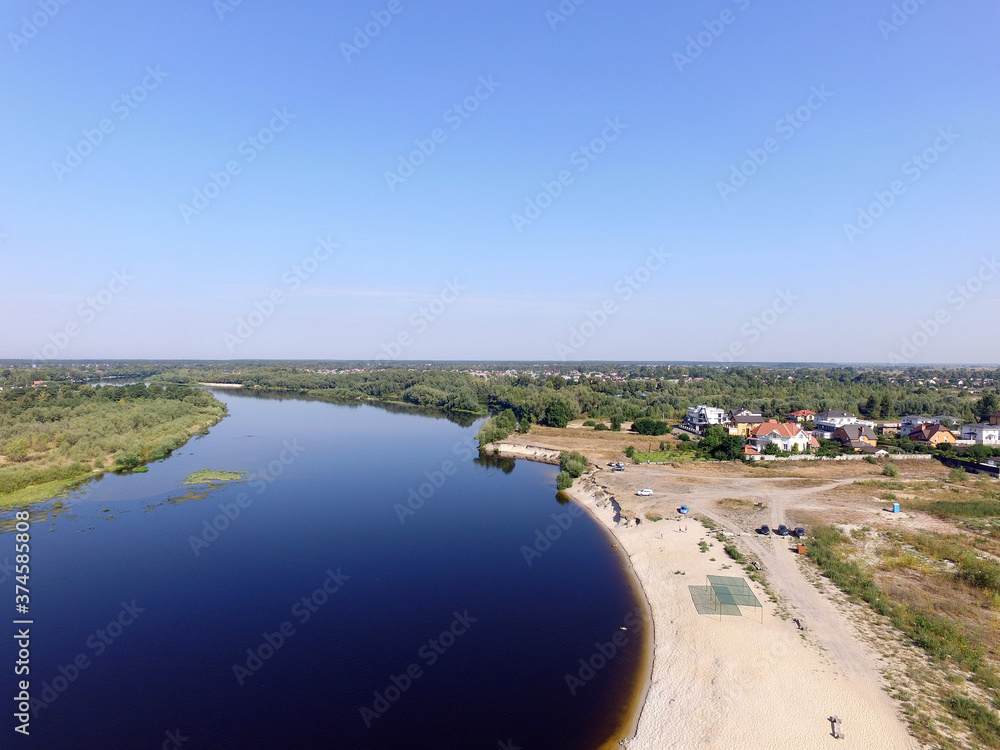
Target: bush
point(890, 470)
point(590, 423)
point(630, 451)
point(563, 480)
point(600, 427)
point(650, 426)
point(573, 463)
point(871, 459)
point(616, 423)
point(958, 474)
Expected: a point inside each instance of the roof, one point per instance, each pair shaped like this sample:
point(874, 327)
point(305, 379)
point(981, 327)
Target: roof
point(834, 414)
point(856, 431)
point(927, 431)
point(803, 413)
point(749, 450)
point(748, 419)
point(784, 429)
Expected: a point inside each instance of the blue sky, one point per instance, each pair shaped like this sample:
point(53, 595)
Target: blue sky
point(435, 260)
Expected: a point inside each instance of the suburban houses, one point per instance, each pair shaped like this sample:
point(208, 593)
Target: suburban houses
point(842, 427)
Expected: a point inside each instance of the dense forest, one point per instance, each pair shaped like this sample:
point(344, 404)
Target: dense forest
point(552, 394)
point(63, 433)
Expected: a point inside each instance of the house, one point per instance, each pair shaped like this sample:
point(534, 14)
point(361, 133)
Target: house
point(888, 428)
point(827, 422)
point(933, 434)
point(749, 450)
point(787, 436)
point(802, 415)
point(911, 422)
point(742, 421)
point(982, 434)
point(994, 418)
point(700, 417)
point(856, 436)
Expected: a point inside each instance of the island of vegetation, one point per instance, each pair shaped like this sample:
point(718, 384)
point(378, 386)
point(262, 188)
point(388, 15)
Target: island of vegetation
point(56, 436)
point(210, 476)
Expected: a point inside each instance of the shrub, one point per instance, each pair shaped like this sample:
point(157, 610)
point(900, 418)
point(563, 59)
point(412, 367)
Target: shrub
point(573, 463)
point(958, 474)
point(630, 451)
point(563, 480)
point(616, 423)
point(600, 427)
point(890, 470)
point(650, 426)
point(590, 423)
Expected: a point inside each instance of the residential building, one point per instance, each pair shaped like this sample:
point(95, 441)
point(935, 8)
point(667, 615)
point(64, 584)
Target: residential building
point(911, 422)
point(856, 436)
point(802, 415)
point(983, 434)
point(994, 418)
point(786, 435)
point(826, 423)
point(742, 421)
point(700, 417)
point(932, 433)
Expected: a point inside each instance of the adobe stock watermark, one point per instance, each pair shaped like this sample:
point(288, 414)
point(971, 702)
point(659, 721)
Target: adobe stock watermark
point(624, 289)
point(98, 643)
point(914, 168)
point(363, 35)
point(604, 653)
point(302, 611)
point(31, 25)
point(428, 654)
point(174, 740)
point(122, 106)
point(421, 318)
point(786, 127)
point(465, 450)
point(224, 7)
point(714, 28)
point(86, 313)
point(455, 116)
point(544, 538)
point(292, 279)
point(901, 14)
point(581, 158)
point(250, 148)
point(759, 324)
point(562, 12)
point(259, 481)
point(957, 298)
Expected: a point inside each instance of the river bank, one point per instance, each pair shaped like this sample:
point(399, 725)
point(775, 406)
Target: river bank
point(722, 682)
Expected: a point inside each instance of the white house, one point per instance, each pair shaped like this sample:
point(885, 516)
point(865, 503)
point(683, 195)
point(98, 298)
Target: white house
point(828, 422)
point(912, 422)
point(983, 434)
point(787, 436)
point(703, 416)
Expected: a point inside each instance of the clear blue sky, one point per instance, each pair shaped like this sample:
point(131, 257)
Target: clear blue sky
point(886, 95)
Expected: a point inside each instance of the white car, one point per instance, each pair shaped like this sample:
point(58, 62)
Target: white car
point(644, 493)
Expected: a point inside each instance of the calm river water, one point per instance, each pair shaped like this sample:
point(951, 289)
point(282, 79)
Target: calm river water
point(368, 586)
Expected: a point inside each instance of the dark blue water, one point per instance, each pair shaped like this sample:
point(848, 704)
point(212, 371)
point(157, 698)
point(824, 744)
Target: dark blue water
point(371, 623)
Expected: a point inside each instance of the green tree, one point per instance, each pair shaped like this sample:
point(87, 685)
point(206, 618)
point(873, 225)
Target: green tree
point(986, 406)
point(558, 414)
point(616, 423)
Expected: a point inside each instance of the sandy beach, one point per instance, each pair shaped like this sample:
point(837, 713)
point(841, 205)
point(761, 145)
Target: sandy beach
point(735, 682)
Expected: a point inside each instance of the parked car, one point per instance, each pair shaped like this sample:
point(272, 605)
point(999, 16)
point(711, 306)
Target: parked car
point(683, 510)
point(782, 530)
point(765, 530)
point(644, 493)
point(799, 532)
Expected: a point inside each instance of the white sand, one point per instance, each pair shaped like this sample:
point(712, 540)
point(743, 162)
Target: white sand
point(737, 683)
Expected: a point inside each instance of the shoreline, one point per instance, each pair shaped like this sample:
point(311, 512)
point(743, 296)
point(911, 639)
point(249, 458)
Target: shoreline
point(714, 682)
point(607, 517)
